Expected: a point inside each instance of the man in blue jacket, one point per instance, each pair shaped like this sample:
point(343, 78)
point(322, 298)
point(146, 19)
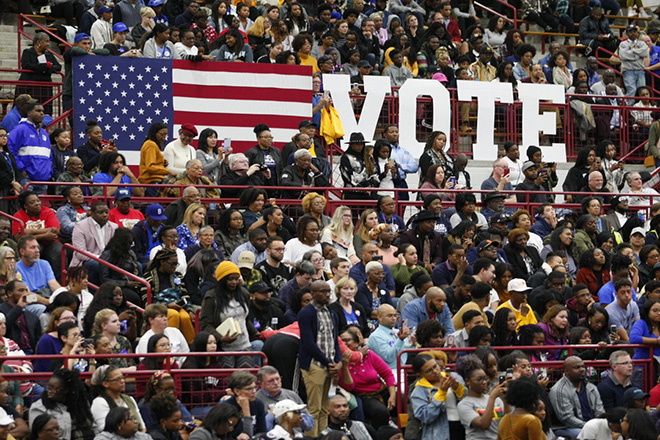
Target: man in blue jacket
point(433, 305)
point(30, 145)
point(319, 355)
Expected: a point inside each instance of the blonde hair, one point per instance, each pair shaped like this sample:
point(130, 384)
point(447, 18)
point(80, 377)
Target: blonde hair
point(258, 29)
point(102, 317)
point(344, 282)
point(337, 227)
point(147, 12)
point(307, 201)
point(3, 254)
point(362, 229)
point(187, 216)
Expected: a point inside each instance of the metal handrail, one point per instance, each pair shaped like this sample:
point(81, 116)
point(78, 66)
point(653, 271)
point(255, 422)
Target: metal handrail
point(505, 4)
point(66, 246)
point(21, 33)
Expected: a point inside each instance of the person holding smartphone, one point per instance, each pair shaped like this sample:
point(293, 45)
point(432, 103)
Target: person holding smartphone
point(73, 343)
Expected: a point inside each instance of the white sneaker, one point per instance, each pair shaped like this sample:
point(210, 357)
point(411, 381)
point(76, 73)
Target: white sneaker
point(631, 12)
point(642, 13)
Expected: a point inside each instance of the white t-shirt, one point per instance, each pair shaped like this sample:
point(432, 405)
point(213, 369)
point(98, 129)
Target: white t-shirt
point(596, 428)
point(294, 250)
point(177, 341)
point(516, 175)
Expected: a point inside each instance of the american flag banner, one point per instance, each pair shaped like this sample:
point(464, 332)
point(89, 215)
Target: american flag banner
point(126, 95)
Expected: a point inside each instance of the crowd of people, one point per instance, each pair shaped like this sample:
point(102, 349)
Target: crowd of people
point(331, 297)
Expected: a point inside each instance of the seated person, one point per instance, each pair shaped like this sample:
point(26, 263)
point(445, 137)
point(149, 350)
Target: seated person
point(123, 213)
point(271, 392)
point(22, 325)
point(241, 173)
point(36, 273)
point(113, 169)
point(168, 287)
point(243, 385)
point(574, 399)
point(146, 232)
point(42, 224)
point(302, 173)
point(92, 235)
point(156, 316)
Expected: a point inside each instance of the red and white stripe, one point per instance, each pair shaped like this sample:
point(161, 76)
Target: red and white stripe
point(232, 98)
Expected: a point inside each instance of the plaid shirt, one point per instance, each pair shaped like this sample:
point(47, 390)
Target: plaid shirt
point(324, 338)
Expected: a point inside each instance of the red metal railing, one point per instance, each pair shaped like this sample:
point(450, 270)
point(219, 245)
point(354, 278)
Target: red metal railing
point(403, 371)
point(41, 28)
point(66, 246)
point(330, 192)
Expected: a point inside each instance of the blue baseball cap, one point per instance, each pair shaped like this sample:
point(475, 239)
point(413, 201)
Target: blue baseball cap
point(104, 9)
point(123, 194)
point(81, 36)
point(156, 212)
point(154, 3)
point(119, 27)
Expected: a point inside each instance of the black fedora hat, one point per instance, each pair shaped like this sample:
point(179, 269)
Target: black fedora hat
point(356, 138)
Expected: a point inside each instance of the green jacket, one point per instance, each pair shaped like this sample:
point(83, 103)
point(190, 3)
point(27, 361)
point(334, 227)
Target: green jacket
point(582, 242)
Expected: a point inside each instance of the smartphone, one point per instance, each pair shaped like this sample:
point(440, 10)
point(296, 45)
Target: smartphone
point(326, 94)
point(502, 377)
point(226, 144)
point(88, 342)
point(272, 201)
point(452, 182)
point(543, 172)
point(377, 258)
point(404, 323)
point(31, 298)
point(507, 171)
point(451, 341)
point(613, 328)
point(509, 373)
point(550, 164)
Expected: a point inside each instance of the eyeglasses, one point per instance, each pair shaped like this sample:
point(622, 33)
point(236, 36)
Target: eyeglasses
point(624, 363)
point(481, 379)
point(117, 379)
point(265, 137)
point(251, 389)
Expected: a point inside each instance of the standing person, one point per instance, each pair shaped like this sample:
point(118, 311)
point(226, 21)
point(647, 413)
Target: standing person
point(633, 52)
point(153, 166)
point(229, 299)
point(404, 160)
point(319, 356)
point(10, 175)
point(512, 159)
point(266, 155)
point(178, 152)
point(42, 64)
point(30, 145)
